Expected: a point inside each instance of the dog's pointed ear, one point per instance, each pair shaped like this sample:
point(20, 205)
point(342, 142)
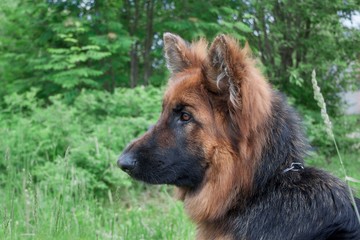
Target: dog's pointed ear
point(176, 50)
point(229, 65)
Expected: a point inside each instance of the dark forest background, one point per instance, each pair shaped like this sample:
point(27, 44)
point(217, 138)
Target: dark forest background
point(62, 47)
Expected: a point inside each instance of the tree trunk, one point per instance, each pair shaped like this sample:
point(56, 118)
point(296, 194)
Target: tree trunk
point(134, 65)
point(267, 46)
point(148, 40)
point(134, 57)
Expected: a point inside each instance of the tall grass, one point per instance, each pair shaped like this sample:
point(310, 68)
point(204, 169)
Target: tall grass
point(30, 211)
point(328, 126)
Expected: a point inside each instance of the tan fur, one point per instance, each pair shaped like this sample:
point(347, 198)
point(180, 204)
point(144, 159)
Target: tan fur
point(180, 56)
point(230, 174)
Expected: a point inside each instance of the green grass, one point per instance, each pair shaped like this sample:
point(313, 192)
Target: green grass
point(31, 213)
point(332, 165)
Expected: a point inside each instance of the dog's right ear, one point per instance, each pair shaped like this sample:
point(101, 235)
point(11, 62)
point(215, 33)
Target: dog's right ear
point(176, 53)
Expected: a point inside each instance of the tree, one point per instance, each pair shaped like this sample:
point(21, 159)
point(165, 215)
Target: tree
point(148, 40)
point(20, 41)
point(62, 48)
point(294, 37)
point(66, 46)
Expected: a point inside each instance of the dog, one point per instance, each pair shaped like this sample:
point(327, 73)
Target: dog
point(235, 151)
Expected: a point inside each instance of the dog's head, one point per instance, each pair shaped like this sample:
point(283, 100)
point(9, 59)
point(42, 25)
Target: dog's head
point(206, 141)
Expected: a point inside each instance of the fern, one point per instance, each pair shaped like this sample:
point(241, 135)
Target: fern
point(73, 66)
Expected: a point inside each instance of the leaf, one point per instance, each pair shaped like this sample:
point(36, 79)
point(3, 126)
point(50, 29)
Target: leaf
point(242, 27)
point(90, 47)
point(95, 55)
point(71, 40)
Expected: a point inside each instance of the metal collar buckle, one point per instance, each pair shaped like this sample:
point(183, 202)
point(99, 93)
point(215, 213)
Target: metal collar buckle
point(295, 167)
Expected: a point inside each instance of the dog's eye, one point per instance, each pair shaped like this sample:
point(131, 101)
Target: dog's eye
point(185, 117)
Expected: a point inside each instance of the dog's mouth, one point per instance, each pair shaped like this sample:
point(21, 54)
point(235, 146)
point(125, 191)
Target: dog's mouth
point(181, 181)
point(160, 176)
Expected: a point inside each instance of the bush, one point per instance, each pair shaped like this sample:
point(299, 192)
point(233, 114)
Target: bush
point(73, 145)
point(346, 130)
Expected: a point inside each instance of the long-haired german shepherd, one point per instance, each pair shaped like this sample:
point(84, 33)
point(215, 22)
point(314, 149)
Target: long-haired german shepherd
point(234, 149)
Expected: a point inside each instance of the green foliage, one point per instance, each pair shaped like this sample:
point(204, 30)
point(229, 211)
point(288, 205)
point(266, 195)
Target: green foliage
point(295, 37)
point(17, 45)
point(67, 46)
point(346, 130)
point(56, 51)
point(87, 137)
point(58, 173)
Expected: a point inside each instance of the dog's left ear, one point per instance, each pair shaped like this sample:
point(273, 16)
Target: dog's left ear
point(229, 68)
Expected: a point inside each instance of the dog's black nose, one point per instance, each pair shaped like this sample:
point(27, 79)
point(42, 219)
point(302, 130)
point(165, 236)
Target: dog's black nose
point(127, 162)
